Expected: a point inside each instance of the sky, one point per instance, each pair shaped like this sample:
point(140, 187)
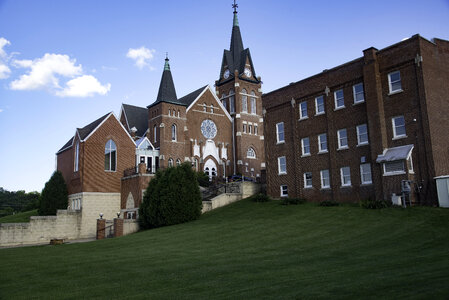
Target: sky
point(64, 64)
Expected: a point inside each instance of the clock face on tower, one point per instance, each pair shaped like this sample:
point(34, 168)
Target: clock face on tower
point(226, 74)
point(208, 129)
point(247, 72)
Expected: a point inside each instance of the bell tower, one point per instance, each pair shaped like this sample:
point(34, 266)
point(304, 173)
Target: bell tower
point(239, 89)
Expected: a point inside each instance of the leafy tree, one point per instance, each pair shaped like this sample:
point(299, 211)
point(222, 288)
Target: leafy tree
point(54, 195)
point(172, 197)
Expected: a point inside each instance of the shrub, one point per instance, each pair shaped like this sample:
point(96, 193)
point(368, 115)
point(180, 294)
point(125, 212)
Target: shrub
point(172, 197)
point(293, 201)
point(54, 195)
point(374, 204)
point(203, 179)
point(329, 203)
point(260, 198)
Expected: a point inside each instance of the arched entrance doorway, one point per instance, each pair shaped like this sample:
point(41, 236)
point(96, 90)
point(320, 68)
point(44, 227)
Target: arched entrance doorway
point(210, 169)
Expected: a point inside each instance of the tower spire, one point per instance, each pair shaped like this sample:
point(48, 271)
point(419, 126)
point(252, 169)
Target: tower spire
point(167, 90)
point(236, 20)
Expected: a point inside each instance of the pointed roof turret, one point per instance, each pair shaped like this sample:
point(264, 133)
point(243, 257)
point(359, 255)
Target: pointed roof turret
point(167, 92)
point(236, 39)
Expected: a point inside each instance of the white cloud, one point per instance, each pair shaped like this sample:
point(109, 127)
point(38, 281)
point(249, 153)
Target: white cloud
point(4, 71)
point(1, 110)
point(84, 86)
point(3, 43)
point(24, 63)
point(44, 70)
point(142, 56)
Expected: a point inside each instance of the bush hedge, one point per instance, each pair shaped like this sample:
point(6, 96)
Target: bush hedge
point(260, 198)
point(172, 197)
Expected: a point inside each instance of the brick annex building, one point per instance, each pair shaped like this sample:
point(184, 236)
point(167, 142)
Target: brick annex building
point(356, 131)
point(108, 163)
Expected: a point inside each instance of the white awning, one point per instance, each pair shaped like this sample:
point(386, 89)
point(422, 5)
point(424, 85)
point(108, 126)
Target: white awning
point(396, 153)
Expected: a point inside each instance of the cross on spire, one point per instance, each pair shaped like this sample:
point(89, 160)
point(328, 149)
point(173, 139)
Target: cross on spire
point(234, 6)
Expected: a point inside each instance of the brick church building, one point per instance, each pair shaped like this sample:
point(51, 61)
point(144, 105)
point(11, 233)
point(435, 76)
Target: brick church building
point(108, 163)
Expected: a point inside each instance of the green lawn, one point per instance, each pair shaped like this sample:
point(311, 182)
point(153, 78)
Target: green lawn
point(23, 217)
point(249, 250)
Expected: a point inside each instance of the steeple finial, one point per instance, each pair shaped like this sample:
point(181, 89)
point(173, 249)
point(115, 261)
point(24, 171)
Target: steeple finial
point(236, 21)
point(167, 65)
point(234, 6)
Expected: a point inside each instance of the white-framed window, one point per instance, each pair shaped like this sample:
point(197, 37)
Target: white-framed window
point(179, 114)
point(173, 132)
point(282, 165)
point(178, 162)
point(110, 156)
point(398, 127)
point(394, 82)
point(77, 156)
point(251, 153)
point(303, 110)
point(307, 180)
point(284, 191)
point(395, 167)
point(155, 133)
point(345, 174)
point(365, 174)
point(170, 162)
point(212, 108)
point(244, 127)
point(362, 134)
point(319, 105)
point(305, 146)
point(358, 92)
point(244, 101)
point(253, 102)
point(255, 129)
point(339, 99)
point(280, 132)
point(250, 128)
point(325, 179)
point(322, 143)
point(231, 102)
point(342, 136)
point(204, 107)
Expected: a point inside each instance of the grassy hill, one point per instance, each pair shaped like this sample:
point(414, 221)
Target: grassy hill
point(22, 217)
point(249, 250)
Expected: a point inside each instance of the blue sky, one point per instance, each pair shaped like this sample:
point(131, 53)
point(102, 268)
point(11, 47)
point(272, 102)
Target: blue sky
point(63, 64)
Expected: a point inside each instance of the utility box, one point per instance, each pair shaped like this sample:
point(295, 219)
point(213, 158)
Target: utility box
point(443, 190)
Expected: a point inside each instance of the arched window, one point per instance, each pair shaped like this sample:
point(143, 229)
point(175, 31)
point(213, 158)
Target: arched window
point(178, 162)
point(253, 102)
point(231, 102)
point(179, 114)
point(212, 108)
point(169, 112)
point(204, 107)
point(110, 156)
point(77, 156)
point(173, 132)
point(170, 162)
point(155, 133)
point(244, 101)
point(251, 153)
point(223, 100)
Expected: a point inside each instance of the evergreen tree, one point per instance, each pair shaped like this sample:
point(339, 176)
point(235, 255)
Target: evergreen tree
point(172, 197)
point(54, 195)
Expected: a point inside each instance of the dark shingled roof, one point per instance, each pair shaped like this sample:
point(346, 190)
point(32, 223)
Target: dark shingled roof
point(137, 117)
point(189, 98)
point(167, 92)
point(66, 145)
point(86, 130)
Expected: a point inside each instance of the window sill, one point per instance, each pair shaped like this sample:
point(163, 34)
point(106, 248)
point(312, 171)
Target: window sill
point(359, 102)
point(282, 173)
point(395, 92)
point(366, 184)
point(303, 118)
point(305, 155)
point(323, 152)
point(343, 148)
point(395, 173)
point(280, 143)
point(325, 188)
point(399, 137)
point(108, 171)
point(361, 145)
point(319, 114)
point(346, 186)
point(308, 187)
point(338, 108)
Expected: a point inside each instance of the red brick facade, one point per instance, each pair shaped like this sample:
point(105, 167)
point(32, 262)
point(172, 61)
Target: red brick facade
point(421, 103)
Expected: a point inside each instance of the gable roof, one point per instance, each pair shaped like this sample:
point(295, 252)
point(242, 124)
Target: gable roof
point(67, 145)
point(201, 92)
point(136, 117)
point(88, 129)
point(189, 98)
